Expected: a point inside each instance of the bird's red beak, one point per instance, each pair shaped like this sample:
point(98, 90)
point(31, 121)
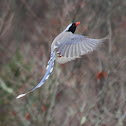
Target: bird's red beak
point(77, 23)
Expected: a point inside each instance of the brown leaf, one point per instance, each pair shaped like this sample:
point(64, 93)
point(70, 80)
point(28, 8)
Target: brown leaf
point(27, 116)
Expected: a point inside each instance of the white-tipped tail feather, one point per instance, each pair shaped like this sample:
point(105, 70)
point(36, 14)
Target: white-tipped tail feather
point(21, 95)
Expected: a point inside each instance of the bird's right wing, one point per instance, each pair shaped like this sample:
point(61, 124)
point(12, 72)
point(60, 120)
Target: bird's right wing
point(77, 45)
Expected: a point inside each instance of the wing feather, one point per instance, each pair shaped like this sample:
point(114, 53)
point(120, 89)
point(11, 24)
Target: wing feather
point(70, 50)
point(67, 50)
point(63, 50)
point(74, 49)
point(77, 50)
point(85, 49)
point(88, 47)
point(80, 48)
point(75, 45)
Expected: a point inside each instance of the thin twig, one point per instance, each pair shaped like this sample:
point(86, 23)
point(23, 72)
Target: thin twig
point(110, 35)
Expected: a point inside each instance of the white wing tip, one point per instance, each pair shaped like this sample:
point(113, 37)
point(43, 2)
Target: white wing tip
point(19, 96)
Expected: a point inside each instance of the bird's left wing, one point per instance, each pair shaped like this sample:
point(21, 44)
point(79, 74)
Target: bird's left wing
point(77, 45)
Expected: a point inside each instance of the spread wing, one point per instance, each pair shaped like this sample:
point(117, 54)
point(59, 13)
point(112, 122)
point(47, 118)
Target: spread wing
point(75, 45)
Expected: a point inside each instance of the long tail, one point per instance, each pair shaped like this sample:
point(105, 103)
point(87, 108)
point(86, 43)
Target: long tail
point(49, 69)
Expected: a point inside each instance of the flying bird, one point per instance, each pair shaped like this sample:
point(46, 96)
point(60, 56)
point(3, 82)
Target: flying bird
point(68, 46)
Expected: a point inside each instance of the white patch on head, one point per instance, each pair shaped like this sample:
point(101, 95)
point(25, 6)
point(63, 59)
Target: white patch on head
point(67, 28)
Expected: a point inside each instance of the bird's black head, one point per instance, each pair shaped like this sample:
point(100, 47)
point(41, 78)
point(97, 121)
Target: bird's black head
point(72, 27)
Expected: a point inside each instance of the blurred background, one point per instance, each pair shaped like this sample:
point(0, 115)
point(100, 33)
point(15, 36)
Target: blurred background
point(90, 91)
